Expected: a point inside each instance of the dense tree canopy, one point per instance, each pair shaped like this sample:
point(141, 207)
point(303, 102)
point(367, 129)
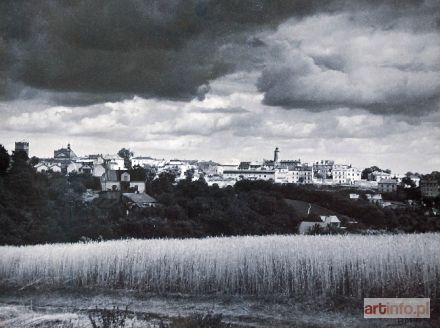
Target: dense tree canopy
point(126, 154)
point(4, 159)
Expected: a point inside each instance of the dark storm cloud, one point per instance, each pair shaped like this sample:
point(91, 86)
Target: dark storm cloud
point(90, 51)
point(106, 47)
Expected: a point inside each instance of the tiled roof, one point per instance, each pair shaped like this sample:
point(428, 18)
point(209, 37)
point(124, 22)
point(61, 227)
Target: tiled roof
point(140, 198)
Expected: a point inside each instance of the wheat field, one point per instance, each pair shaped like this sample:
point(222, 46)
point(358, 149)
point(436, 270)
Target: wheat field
point(350, 265)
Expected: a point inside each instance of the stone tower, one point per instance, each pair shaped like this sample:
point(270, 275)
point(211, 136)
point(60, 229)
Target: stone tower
point(22, 146)
point(276, 155)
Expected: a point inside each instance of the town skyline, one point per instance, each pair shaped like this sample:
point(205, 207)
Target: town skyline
point(264, 156)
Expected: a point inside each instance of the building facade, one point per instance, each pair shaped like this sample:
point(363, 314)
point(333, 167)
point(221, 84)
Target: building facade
point(387, 185)
point(353, 175)
point(323, 169)
point(249, 174)
point(339, 173)
point(429, 188)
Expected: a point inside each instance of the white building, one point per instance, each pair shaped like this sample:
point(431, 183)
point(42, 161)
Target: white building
point(345, 174)
point(326, 221)
point(302, 174)
point(56, 168)
point(114, 162)
point(331, 220)
point(145, 161)
point(375, 199)
point(398, 177)
point(41, 167)
point(249, 174)
point(73, 167)
point(226, 167)
point(222, 183)
point(177, 166)
point(125, 177)
point(365, 184)
point(138, 186)
point(378, 175)
point(48, 167)
point(353, 174)
point(283, 176)
point(98, 170)
point(110, 181)
point(339, 173)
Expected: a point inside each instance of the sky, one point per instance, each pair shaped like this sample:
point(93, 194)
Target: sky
point(354, 81)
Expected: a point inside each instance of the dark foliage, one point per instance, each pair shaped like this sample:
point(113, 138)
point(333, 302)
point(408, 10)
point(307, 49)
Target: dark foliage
point(4, 160)
point(126, 154)
point(106, 318)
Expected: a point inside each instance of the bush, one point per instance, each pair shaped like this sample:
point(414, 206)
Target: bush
point(106, 318)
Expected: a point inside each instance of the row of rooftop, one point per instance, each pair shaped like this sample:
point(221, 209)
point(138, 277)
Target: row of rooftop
point(110, 169)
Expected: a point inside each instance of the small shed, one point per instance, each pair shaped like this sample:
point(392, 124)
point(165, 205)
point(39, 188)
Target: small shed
point(140, 200)
point(354, 196)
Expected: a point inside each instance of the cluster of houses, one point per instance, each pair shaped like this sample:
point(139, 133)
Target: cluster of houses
point(293, 171)
point(323, 172)
point(114, 176)
point(111, 170)
point(65, 160)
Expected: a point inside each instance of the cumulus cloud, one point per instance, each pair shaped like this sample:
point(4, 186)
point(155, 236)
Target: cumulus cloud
point(240, 113)
point(331, 61)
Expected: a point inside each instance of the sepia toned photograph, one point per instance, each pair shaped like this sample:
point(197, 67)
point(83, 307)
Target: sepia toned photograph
point(219, 163)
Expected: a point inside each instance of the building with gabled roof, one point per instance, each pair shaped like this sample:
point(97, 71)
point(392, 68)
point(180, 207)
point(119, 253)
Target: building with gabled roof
point(140, 200)
point(331, 219)
point(64, 154)
point(326, 221)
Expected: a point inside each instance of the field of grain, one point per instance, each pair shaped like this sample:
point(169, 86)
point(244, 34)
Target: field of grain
point(352, 265)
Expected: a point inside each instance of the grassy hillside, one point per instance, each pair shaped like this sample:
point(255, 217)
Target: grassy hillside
point(302, 208)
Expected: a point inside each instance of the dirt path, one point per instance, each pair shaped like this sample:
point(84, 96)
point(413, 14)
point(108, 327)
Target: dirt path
point(70, 309)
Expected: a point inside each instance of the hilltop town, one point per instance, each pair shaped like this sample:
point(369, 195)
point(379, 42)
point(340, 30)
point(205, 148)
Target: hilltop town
point(122, 195)
point(112, 169)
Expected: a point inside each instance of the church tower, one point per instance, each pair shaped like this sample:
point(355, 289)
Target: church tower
point(276, 155)
point(22, 146)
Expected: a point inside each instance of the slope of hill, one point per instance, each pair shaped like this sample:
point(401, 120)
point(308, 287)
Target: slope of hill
point(302, 208)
